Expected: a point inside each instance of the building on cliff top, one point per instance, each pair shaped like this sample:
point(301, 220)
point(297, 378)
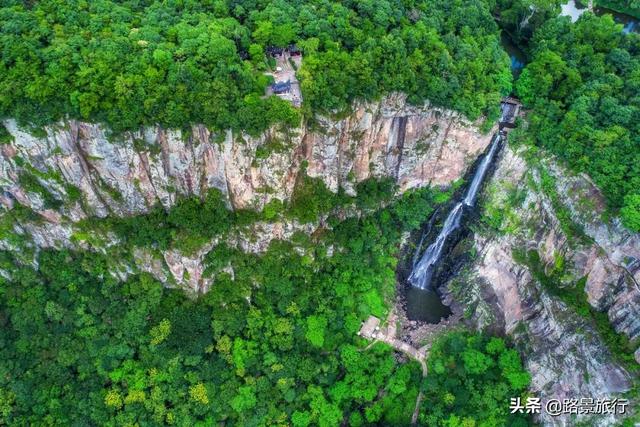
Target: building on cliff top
point(510, 109)
point(286, 84)
point(281, 87)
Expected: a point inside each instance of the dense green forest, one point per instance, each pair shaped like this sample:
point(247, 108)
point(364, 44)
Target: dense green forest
point(630, 7)
point(583, 86)
point(275, 344)
point(131, 63)
point(274, 341)
point(470, 379)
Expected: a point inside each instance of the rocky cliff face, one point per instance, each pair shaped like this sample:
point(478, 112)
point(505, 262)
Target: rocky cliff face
point(77, 171)
point(563, 351)
point(95, 175)
point(131, 173)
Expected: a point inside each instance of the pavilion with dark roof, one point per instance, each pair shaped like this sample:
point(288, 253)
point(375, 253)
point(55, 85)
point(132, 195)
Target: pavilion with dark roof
point(274, 51)
point(281, 87)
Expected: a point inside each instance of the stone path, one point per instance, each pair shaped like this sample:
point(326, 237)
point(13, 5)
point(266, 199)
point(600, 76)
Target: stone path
point(416, 411)
point(285, 72)
point(371, 329)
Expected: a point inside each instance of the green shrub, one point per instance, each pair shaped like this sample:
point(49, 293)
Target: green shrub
point(630, 212)
point(5, 136)
point(31, 184)
point(311, 197)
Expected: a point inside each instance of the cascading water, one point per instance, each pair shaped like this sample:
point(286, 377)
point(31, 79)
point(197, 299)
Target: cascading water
point(423, 269)
point(472, 192)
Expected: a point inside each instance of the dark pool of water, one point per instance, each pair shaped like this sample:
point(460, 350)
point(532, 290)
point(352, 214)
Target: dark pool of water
point(425, 305)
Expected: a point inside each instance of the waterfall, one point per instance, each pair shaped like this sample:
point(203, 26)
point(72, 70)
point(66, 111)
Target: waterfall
point(628, 27)
point(425, 233)
point(423, 270)
point(472, 192)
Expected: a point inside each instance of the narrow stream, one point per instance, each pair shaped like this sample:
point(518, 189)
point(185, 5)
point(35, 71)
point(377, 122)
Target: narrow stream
point(518, 58)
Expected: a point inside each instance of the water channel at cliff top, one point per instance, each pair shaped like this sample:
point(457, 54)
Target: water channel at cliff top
point(574, 9)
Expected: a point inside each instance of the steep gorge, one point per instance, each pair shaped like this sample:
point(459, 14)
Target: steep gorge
point(415, 146)
point(551, 240)
point(91, 175)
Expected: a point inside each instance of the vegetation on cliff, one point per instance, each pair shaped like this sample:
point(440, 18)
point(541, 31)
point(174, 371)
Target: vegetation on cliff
point(273, 342)
point(192, 221)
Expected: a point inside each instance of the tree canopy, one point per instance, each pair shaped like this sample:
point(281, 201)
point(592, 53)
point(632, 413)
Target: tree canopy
point(583, 86)
point(175, 63)
point(471, 377)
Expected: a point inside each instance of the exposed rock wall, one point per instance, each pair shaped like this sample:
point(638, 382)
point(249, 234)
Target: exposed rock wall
point(188, 271)
point(95, 175)
point(129, 174)
point(564, 353)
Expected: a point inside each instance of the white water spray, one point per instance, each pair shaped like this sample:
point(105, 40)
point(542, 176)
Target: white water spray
point(423, 270)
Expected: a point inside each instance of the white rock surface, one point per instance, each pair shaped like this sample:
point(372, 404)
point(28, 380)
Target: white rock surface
point(562, 350)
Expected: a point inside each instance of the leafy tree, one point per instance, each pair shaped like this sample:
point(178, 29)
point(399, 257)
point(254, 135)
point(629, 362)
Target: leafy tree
point(160, 332)
point(471, 378)
point(630, 212)
point(583, 86)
